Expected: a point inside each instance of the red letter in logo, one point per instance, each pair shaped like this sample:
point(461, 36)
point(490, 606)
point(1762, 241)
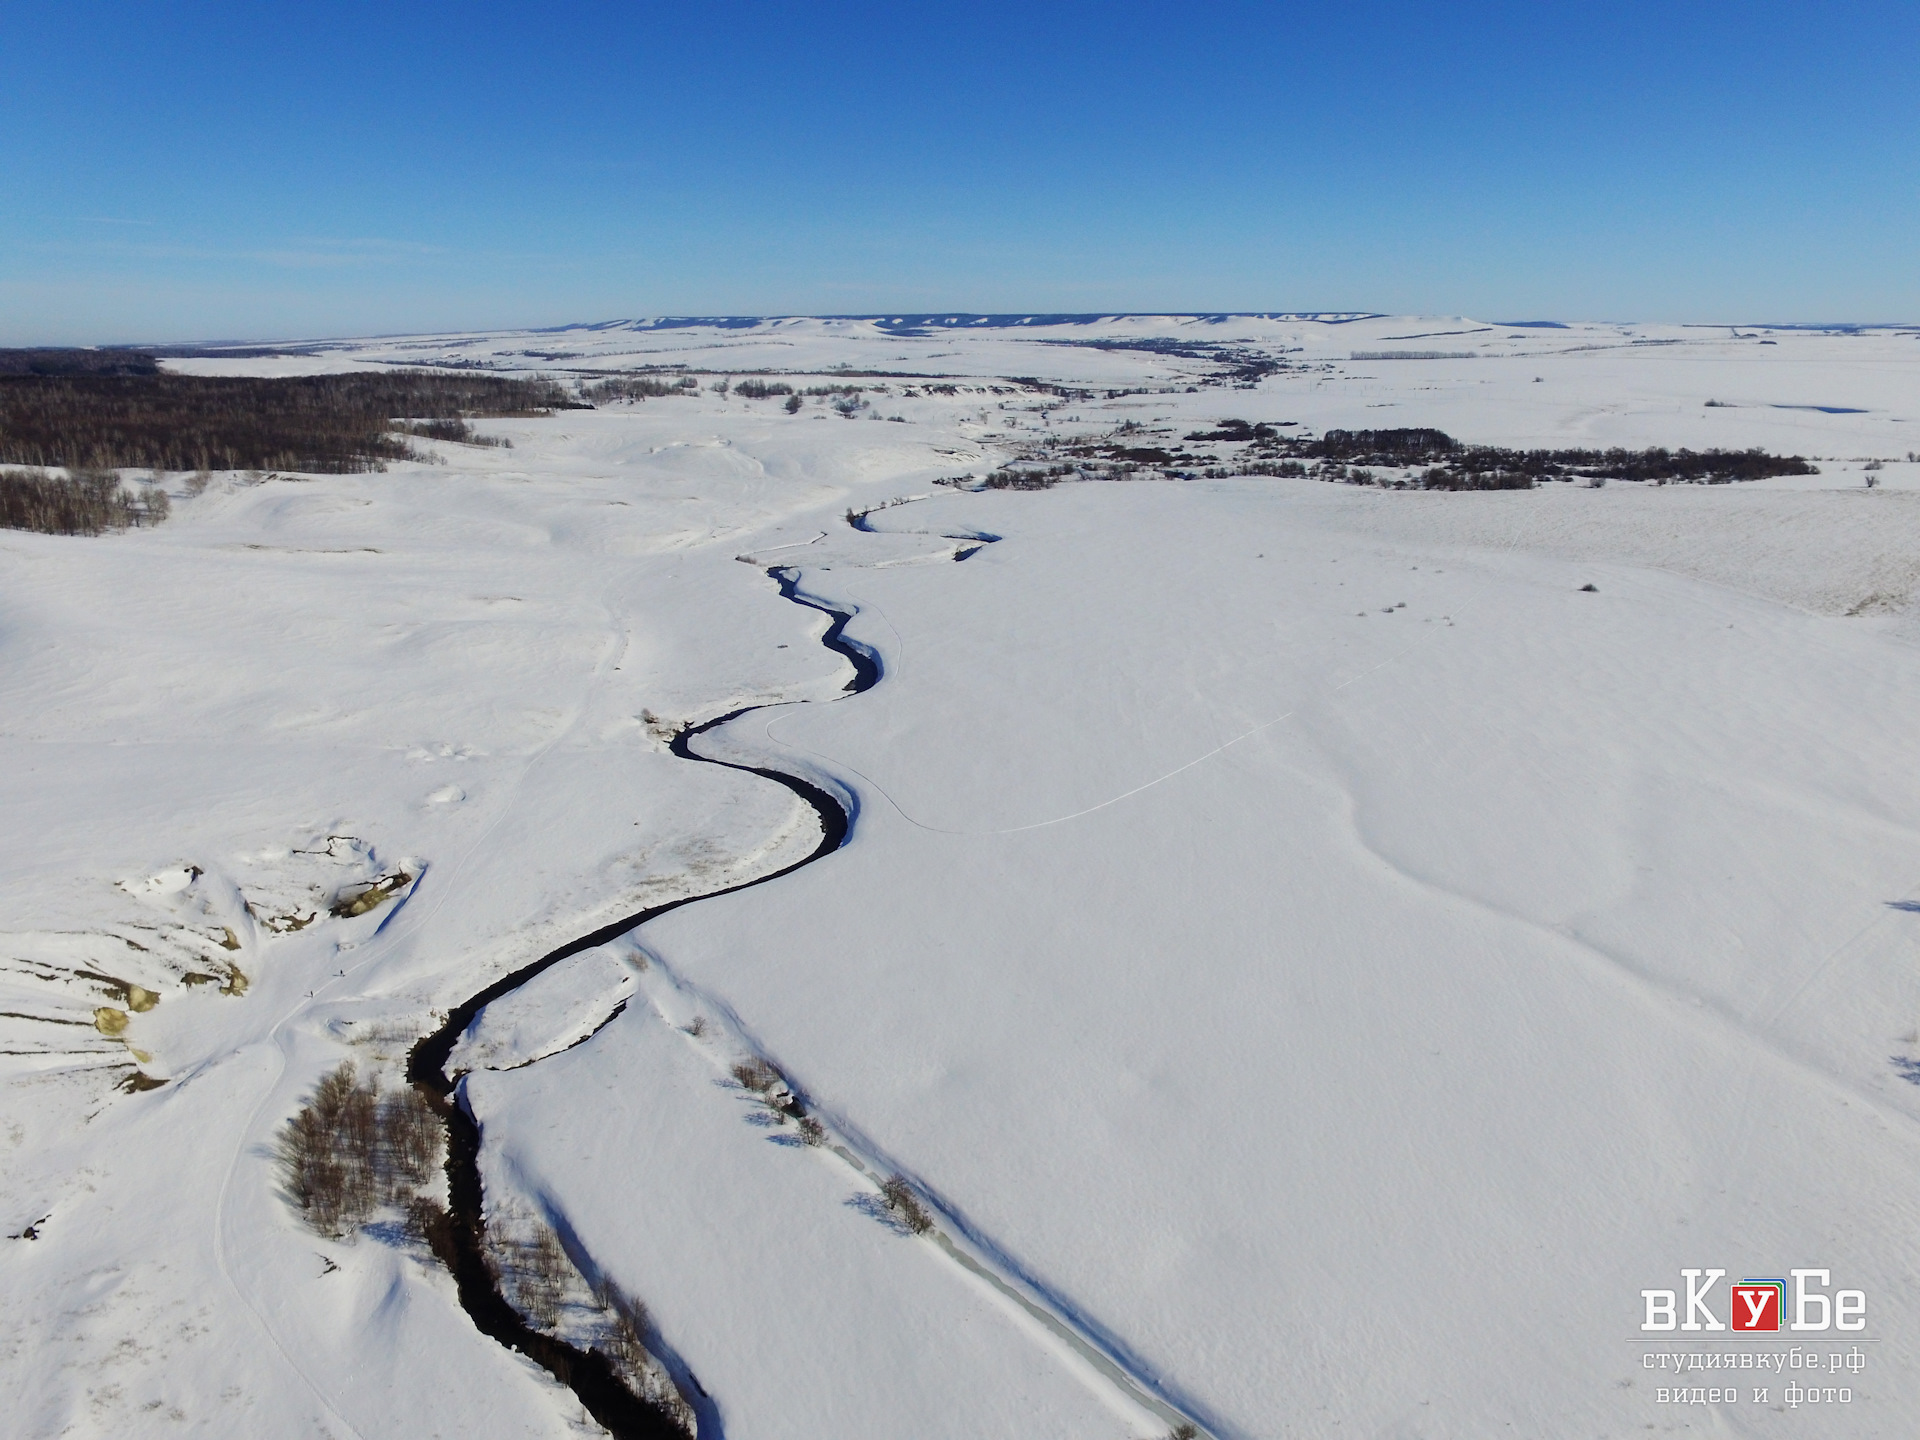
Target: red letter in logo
point(1756, 1304)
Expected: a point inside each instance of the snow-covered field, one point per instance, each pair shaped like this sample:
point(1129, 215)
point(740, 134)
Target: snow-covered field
point(1318, 959)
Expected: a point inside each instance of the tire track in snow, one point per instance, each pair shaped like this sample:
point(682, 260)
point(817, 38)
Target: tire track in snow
point(724, 1040)
point(1702, 1014)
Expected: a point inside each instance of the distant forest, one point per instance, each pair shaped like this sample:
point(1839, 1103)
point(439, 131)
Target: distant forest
point(328, 424)
point(1444, 463)
point(1412, 459)
point(77, 362)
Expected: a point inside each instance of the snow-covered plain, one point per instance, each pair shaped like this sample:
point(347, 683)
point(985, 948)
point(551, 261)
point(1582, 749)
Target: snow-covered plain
point(1322, 957)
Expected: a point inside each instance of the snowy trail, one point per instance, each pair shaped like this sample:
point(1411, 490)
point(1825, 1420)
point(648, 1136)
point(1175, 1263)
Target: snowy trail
point(585, 1372)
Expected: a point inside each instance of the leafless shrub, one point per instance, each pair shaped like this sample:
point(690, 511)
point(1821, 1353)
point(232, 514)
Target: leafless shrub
point(627, 1326)
point(697, 1027)
point(1185, 1430)
point(623, 1340)
point(756, 1075)
point(812, 1132)
point(539, 1270)
point(427, 1221)
point(904, 1205)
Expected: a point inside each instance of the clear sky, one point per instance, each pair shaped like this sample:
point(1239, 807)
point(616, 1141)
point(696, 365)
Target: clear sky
point(193, 171)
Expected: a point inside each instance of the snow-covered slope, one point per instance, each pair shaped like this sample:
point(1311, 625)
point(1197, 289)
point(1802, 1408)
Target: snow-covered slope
point(1319, 962)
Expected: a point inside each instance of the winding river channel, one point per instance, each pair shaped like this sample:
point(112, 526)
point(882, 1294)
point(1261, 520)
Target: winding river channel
point(461, 1243)
point(461, 1247)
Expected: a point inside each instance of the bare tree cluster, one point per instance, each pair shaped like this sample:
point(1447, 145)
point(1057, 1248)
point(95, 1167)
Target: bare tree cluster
point(533, 1271)
point(627, 1326)
point(458, 431)
point(85, 502)
point(640, 387)
point(757, 1075)
point(1028, 477)
point(761, 389)
point(351, 1150)
point(904, 1205)
point(623, 1340)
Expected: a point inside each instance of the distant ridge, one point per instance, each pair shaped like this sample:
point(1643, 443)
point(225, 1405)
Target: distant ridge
point(896, 323)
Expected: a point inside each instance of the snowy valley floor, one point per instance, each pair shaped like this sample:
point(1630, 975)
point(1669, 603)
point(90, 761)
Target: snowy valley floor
point(1327, 950)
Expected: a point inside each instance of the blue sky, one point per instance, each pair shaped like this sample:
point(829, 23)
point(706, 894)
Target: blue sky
point(195, 171)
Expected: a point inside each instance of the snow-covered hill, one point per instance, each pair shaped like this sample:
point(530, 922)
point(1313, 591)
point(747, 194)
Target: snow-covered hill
point(1318, 960)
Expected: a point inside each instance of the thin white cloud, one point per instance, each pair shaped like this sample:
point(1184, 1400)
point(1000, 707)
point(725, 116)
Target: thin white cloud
point(299, 253)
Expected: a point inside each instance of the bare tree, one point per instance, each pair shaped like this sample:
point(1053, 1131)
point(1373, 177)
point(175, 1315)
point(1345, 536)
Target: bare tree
point(905, 1205)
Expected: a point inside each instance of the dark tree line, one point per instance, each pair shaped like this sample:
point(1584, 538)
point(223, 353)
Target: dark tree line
point(1489, 467)
point(328, 424)
point(1028, 477)
point(1452, 465)
point(1424, 459)
point(1381, 447)
point(1238, 431)
point(640, 387)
